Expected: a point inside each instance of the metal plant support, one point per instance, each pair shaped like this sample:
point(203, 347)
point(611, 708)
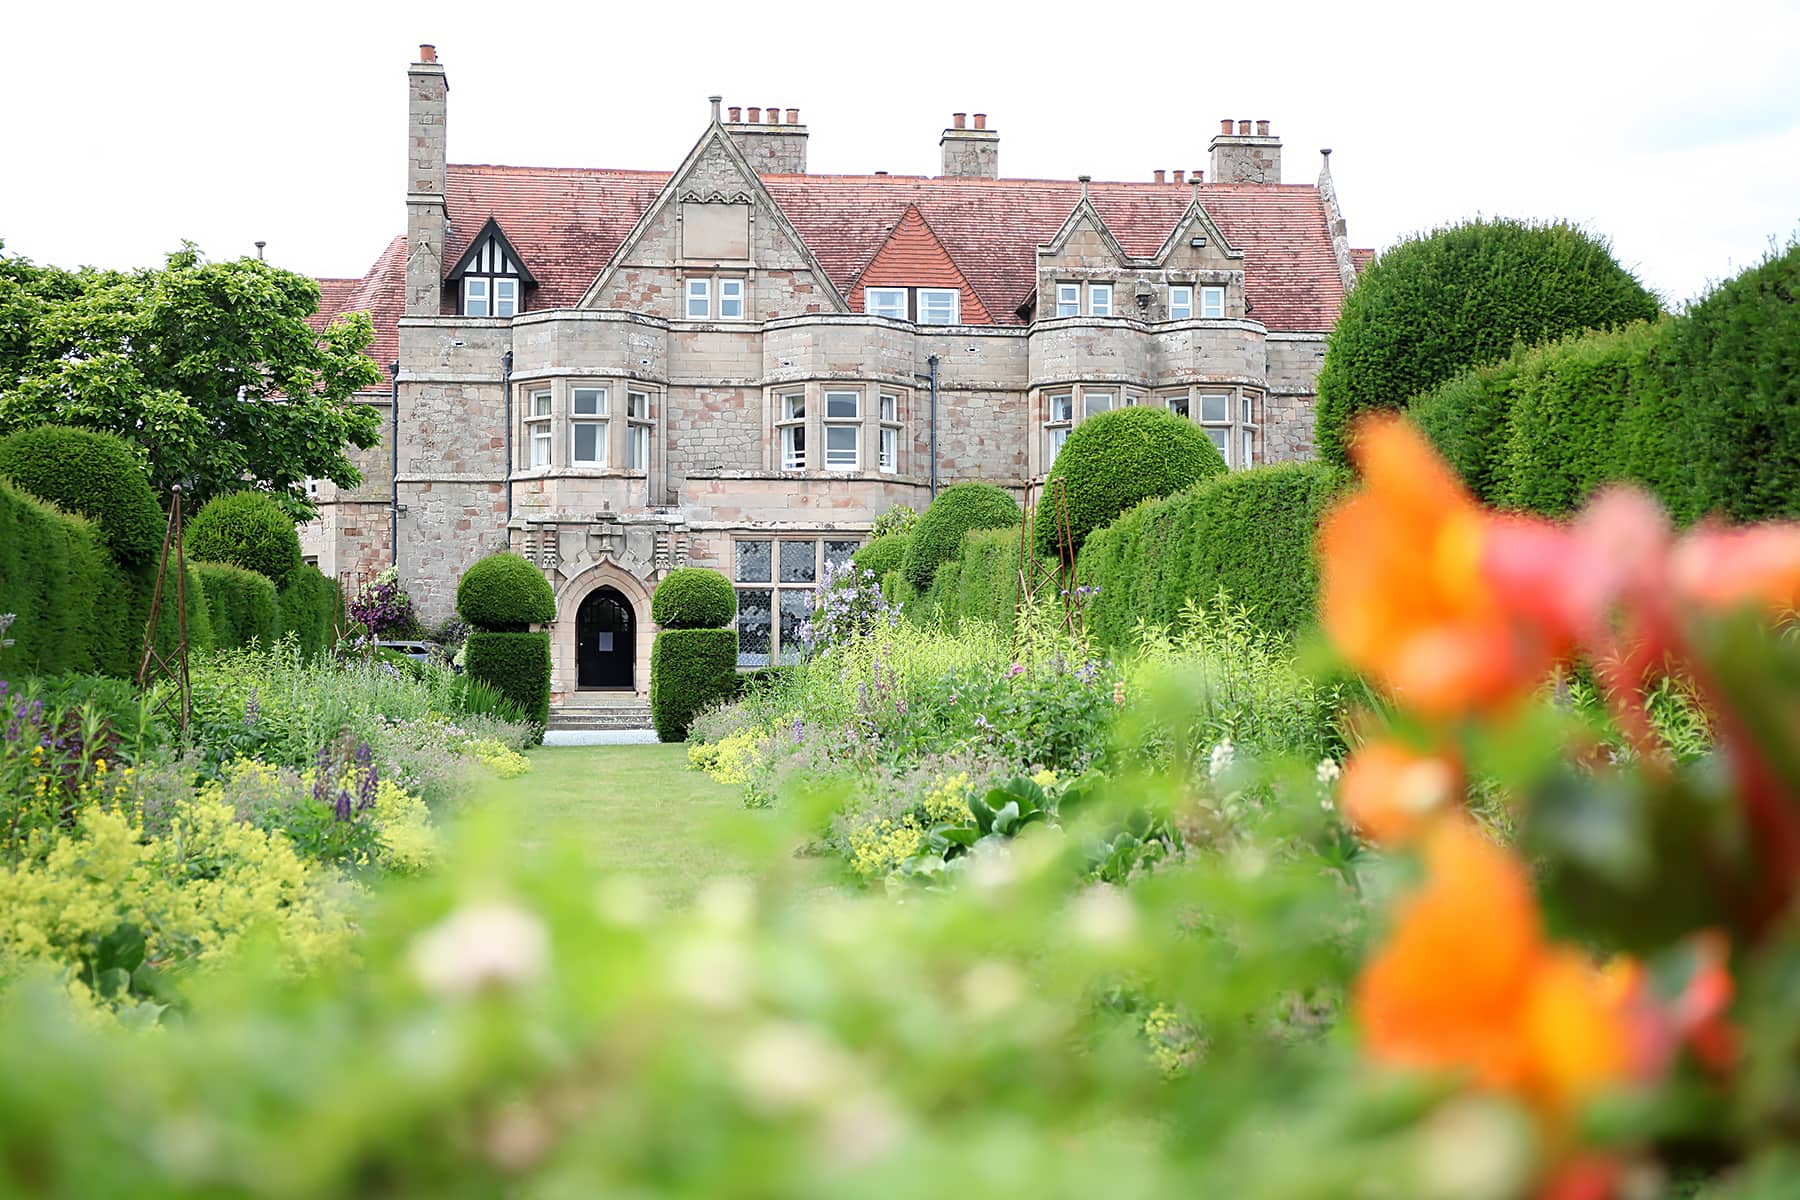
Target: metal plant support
point(154, 666)
point(1034, 576)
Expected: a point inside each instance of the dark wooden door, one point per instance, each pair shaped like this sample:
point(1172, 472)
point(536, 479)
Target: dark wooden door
point(605, 645)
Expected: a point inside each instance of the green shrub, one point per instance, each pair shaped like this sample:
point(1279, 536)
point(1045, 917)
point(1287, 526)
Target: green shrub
point(882, 555)
point(1116, 460)
point(503, 593)
point(249, 530)
point(899, 519)
point(690, 669)
point(93, 474)
point(1458, 297)
point(242, 606)
point(980, 584)
point(308, 608)
point(1248, 534)
point(937, 538)
point(517, 665)
point(693, 598)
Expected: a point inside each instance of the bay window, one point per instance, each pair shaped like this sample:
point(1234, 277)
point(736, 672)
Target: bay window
point(1059, 418)
point(587, 427)
point(792, 431)
point(637, 430)
point(890, 433)
point(537, 428)
point(843, 430)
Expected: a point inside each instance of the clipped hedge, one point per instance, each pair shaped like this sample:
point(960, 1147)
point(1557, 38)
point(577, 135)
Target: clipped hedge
point(1115, 461)
point(979, 584)
point(690, 669)
point(883, 555)
point(503, 593)
point(937, 538)
point(241, 604)
point(693, 598)
point(248, 530)
point(308, 607)
point(1249, 534)
point(95, 475)
point(1458, 297)
point(515, 664)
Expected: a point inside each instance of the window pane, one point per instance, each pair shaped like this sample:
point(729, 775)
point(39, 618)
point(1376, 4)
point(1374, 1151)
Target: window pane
point(1220, 440)
point(1062, 407)
point(699, 298)
point(1178, 405)
point(589, 442)
point(838, 553)
point(842, 405)
point(799, 562)
point(1249, 454)
point(793, 408)
point(506, 297)
point(796, 607)
point(753, 563)
point(793, 448)
point(1057, 438)
point(589, 402)
point(637, 405)
point(638, 448)
point(1215, 408)
point(1068, 300)
point(1181, 303)
point(1095, 403)
point(1249, 409)
point(890, 449)
point(475, 298)
point(1212, 302)
point(540, 446)
point(731, 298)
point(937, 306)
point(753, 624)
point(1100, 300)
point(840, 445)
point(890, 407)
point(885, 302)
point(540, 404)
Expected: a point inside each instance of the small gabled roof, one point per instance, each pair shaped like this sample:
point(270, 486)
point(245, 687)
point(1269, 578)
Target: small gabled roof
point(508, 257)
point(913, 256)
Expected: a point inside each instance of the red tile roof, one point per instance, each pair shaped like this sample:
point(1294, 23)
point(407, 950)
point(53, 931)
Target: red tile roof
point(568, 222)
point(913, 256)
point(1360, 259)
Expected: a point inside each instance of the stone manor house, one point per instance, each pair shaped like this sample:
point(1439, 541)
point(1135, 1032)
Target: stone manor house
point(740, 365)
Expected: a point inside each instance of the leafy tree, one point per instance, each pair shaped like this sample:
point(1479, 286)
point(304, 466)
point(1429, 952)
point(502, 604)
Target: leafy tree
point(1460, 296)
point(209, 367)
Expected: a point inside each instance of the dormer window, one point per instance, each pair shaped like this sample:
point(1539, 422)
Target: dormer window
point(490, 277)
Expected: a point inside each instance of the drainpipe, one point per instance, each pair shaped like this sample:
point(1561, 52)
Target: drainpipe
point(394, 464)
point(506, 387)
point(933, 361)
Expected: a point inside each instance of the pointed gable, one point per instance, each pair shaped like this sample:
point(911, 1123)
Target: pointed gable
point(913, 256)
point(491, 253)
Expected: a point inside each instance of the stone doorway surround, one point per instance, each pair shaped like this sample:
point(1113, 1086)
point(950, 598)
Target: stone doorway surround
point(575, 589)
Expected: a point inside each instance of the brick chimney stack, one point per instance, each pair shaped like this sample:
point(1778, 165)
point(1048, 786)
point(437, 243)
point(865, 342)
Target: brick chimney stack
point(970, 150)
point(427, 218)
point(1240, 156)
point(773, 146)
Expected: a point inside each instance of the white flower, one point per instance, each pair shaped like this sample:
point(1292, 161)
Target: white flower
point(1103, 915)
point(1327, 771)
point(1221, 758)
point(860, 1129)
point(726, 903)
point(991, 989)
point(710, 971)
point(784, 1065)
point(480, 946)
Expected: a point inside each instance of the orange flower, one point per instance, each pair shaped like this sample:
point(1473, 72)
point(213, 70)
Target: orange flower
point(1730, 568)
point(1390, 793)
point(1405, 595)
point(1576, 1032)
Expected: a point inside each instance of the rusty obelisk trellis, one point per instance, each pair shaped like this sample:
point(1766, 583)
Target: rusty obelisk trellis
point(1034, 575)
point(155, 666)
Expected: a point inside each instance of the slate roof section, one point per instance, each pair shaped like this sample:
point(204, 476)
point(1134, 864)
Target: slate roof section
point(568, 222)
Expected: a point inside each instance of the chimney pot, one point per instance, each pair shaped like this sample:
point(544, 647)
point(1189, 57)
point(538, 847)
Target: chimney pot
point(981, 120)
point(958, 120)
point(1225, 125)
point(737, 113)
point(1159, 176)
point(1179, 176)
point(427, 53)
point(771, 116)
point(793, 115)
point(1262, 129)
point(1243, 127)
point(881, 172)
point(1197, 176)
point(755, 116)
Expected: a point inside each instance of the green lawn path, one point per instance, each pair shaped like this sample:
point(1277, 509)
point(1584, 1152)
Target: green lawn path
point(635, 809)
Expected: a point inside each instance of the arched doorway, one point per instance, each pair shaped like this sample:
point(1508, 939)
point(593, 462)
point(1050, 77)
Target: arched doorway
point(605, 641)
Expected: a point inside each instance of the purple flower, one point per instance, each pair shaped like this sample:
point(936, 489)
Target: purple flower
point(981, 721)
point(1016, 670)
point(799, 731)
point(368, 779)
point(343, 804)
point(252, 709)
point(322, 774)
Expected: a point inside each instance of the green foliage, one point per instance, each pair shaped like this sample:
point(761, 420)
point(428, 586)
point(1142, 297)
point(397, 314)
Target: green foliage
point(980, 584)
point(93, 474)
point(241, 604)
point(1248, 534)
point(883, 555)
point(899, 519)
point(1116, 460)
point(693, 598)
point(246, 529)
point(1458, 297)
point(503, 593)
point(308, 608)
point(690, 669)
point(210, 369)
point(937, 538)
point(517, 665)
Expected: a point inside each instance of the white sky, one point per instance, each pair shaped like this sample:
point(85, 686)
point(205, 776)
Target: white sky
point(1672, 129)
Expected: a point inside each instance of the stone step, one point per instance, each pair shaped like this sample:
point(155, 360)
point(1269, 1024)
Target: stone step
point(635, 716)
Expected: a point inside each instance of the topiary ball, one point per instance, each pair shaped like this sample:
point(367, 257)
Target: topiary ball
point(693, 598)
point(1115, 461)
point(883, 556)
point(249, 530)
point(937, 538)
point(503, 593)
point(95, 475)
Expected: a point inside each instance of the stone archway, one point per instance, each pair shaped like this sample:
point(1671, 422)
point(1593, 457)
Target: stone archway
point(619, 586)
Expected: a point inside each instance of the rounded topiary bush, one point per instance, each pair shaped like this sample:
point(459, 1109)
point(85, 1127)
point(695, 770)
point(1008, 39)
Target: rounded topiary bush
point(937, 538)
point(693, 598)
point(248, 530)
point(690, 670)
point(517, 665)
point(503, 593)
point(1115, 461)
point(93, 474)
point(883, 556)
point(243, 607)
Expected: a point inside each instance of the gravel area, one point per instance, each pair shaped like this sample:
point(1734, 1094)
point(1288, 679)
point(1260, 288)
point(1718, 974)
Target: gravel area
point(599, 737)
